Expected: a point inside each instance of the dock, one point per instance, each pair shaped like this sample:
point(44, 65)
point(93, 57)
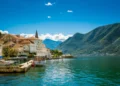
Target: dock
point(22, 68)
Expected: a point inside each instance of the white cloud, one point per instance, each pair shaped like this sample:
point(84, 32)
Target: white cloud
point(55, 37)
point(49, 4)
point(69, 11)
point(27, 35)
point(49, 17)
point(4, 32)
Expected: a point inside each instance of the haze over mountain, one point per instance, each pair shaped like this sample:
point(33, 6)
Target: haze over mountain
point(51, 44)
point(104, 40)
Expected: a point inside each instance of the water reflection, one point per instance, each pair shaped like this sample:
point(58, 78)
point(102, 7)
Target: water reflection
point(86, 71)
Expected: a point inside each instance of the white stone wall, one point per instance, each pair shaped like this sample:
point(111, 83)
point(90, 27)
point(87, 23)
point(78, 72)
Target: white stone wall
point(26, 48)
point(0, 50)
point(41, 49)
point(33, 48)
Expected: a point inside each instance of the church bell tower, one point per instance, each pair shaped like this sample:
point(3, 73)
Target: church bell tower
point(36, 34)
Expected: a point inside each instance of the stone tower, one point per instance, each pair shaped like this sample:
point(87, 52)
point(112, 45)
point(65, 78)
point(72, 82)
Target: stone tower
point(36, 34)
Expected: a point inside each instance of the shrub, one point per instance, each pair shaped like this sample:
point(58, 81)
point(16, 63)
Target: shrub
point(56, 53)
point(9, 52)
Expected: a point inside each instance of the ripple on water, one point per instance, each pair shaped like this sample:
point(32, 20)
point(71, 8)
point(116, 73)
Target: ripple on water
point(67, 72)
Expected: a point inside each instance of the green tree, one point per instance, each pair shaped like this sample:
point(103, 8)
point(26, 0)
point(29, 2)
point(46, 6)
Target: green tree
point(0, 34)
point(13, 52)
point(9, 52)
point(31, 55)
point(56, 53)
point(5, 51)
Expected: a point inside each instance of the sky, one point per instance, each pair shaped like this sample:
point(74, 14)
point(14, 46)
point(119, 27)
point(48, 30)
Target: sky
point(55, 18)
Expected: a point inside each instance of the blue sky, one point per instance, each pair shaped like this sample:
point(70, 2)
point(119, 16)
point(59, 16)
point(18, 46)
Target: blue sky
point(57, 16)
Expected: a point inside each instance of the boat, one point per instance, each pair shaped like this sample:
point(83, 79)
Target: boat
point(3, 62)
point(39, 61)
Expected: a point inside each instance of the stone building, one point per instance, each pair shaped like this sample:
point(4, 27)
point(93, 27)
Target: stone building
point(37, 47)
point(25, 46)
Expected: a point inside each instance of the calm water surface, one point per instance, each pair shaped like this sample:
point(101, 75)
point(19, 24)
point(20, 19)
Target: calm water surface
point(84, 71)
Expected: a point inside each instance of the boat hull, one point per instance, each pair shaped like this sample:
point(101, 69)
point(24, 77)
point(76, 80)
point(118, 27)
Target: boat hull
point(39, 63)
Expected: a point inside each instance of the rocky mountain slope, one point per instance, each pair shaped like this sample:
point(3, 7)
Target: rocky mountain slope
point(104, 40)
point(51, 44)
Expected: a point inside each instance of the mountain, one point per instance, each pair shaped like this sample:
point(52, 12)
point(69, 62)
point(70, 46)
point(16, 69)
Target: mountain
point(104, 40)
point(51, 44)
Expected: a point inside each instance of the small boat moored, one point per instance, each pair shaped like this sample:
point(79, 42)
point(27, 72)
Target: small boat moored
point(39, 61)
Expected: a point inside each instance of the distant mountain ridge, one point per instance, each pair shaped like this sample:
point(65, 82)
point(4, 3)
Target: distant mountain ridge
point(51, 44)
point(104, 40)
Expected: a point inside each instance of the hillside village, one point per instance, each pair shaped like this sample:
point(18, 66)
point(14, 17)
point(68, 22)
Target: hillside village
point(24, 46)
